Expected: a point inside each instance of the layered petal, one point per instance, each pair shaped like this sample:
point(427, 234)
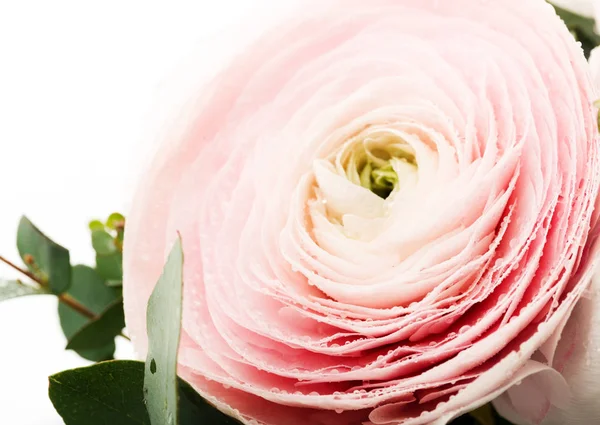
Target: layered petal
point(385, 209)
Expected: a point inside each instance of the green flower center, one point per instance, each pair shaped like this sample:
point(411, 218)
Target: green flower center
point(379, 180)
point(378, 161)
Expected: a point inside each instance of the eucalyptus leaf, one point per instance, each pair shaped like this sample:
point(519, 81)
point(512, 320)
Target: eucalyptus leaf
point(105, 393)
point(13, 289)
point(100, 332)
point(194, 410)
point(484, 415)
point(110, 267)
point(464, 420)
point(582, 28)
point(44, 258)
point(89, 289)
point(115, 221)
point(163, 322)
point(103, 243)
point(96, 225)
point(112, 393)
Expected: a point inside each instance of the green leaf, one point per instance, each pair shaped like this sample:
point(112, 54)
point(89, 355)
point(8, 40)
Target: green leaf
point(582, 27)
point(96, 225)
point(112, 393)
point(194, 410)
point(103, 243)
point(14, 289)
point(484, 415)
point(115, 221)
point(114, 283)
point(88, 289)
point(500, 420)
point(100, 332)
point(105, 393)
point(110, 267)
point(47, 260)
point(464, 420)
point(163, 321)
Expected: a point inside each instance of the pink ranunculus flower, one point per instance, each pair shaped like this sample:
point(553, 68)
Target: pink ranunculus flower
point(387, 212)
point(577, 355)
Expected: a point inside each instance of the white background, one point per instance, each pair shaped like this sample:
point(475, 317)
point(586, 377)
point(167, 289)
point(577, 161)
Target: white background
point(83, 85)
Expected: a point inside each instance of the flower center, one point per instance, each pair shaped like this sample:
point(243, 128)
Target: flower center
point(378, 161)
point(358, 185)
point(379, 180)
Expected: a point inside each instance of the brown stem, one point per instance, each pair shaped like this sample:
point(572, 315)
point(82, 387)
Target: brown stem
point(75, 305)
point(63, 298)
point(20, 270)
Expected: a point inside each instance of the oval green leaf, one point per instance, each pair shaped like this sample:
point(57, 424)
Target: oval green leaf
point(163, 321)
point(110, 267)
point(14, 289)
point(115, 221)
point(583, 28)
point(484, 415)
point(112, 393)
point(96, 225)
point(46, 259)
point(88, 289)
point(103, 243)
point(105, 393)
point(100, 332)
